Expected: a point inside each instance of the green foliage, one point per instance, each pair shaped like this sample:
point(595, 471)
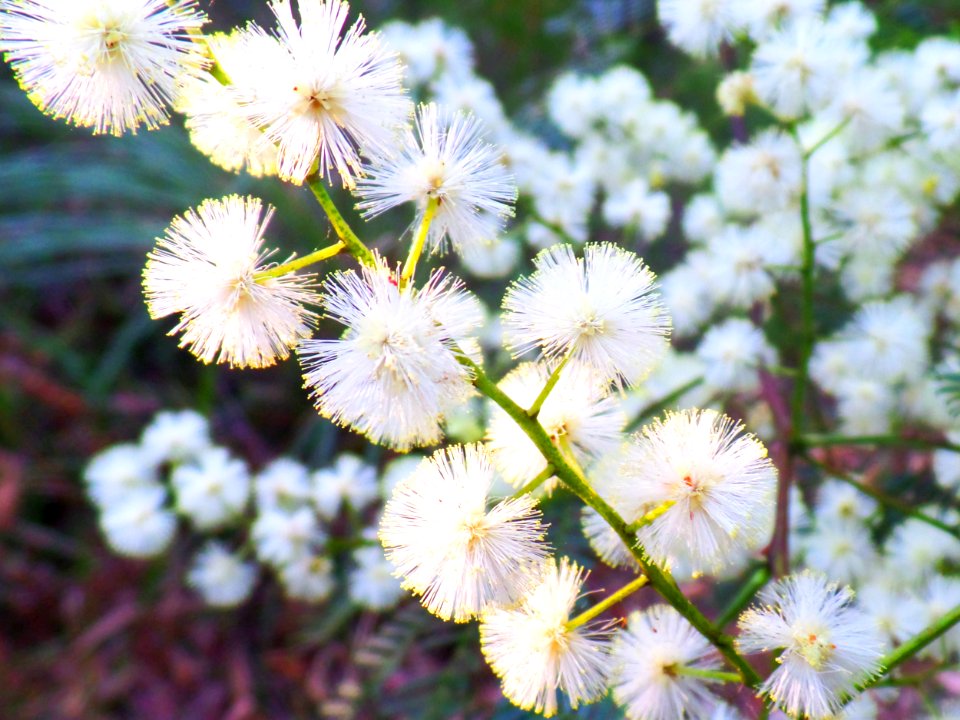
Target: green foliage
point(949, 388)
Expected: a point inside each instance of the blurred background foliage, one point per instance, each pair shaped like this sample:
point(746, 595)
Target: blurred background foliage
point(84, 634)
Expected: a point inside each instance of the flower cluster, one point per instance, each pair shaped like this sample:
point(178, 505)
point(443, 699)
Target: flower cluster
point(281, 514)
point(829, 194)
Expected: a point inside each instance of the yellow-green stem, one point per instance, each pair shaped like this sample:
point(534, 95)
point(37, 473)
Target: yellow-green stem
point(706, 674)
point(608, 602)
point(812, 440)
point(759, 578)
point(534, 410)
point(539, 480)
point(655, 407)
point(827, 138)
point(649, 517)
point(297, 263)
point(314, 180)
point(885, 499)
point(911, 647)
point(340, 226)
point(660, 579)
point(807, 334)
point(410, 266)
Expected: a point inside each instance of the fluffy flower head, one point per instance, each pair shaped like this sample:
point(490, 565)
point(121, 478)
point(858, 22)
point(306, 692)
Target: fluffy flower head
point(448, 162)
point(647, 657)
point(212, 489)
point(721, 484)
point(394, 373)
point(534, 652)
point(451, 547)
point(220, 576)
point(176, 436)
point(218, 125)
point(205, 268)
point(698, 26)
point(574, 413)
point(320, 94)
point(600, 308)
point(829, 644)
point(111, 65)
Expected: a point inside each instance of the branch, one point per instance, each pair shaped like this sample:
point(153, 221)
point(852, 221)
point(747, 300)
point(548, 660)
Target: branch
point(894, 441)
point(759, 578)
point(914, 645)
point(807, 285)
point(340, 226)
point(660, 579)
point(657, 406)
point(885, 499)
point(608, 602)
point(296, 263)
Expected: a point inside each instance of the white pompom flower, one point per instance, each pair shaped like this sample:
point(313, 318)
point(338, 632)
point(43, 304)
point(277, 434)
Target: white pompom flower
point(350, 481)
point(118, 471)
point(372, 584)
point(206, 268)
point(720, 481)
point(283, 484)
point(213, 489)
point(139, 524)
point(319, 94)
point(218, 125)
point(308, 578)
point(447, 162)
point(110, 65)
point(601, 309)
point(795, 69)
point(176, 436)
point(761, 177)
point(829, 645)
point(282, 538)
point(648, 659)
point(221, 577)
point(535, 653)
point(451, 546)
point(698, 26)
point(394, 373)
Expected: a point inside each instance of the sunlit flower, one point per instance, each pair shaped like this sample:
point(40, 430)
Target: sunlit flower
point(218, 125)
point(139, 524)
point(319, 94)
point(720, 481)
point(451, 546)
point(308, 577)
point(213, 488)
point(282, 484)
point(574, 415)
point(119, 470)
point(205, 268)
point(602, 309)
point(829, 645)
point(649, 658)
point(111, 65)
point(446, 161)
point(534, 652)
point(371, 581)
point(176, 436)
point(394, 373)
point(698, 26)
point(282, 538)
point(350, 481)
point(221, 576)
